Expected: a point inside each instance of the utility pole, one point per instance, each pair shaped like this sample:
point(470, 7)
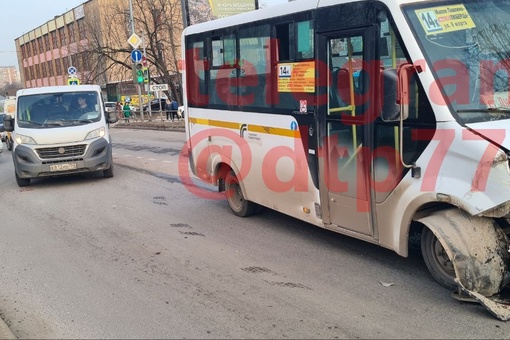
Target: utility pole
point(138, 87)
point(185, 14)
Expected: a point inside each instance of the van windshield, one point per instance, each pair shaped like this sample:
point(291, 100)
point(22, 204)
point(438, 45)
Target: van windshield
point(467, 44)
point(51, 110)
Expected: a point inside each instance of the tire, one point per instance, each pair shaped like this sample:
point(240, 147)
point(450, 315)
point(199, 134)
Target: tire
point(22, 182)
point(236, 201)
point(437, 261)
point(108, 173)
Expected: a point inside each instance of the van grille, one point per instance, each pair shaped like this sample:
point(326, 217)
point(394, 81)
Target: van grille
point(61, 151)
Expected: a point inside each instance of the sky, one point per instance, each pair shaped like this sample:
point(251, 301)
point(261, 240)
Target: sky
point(22, 16)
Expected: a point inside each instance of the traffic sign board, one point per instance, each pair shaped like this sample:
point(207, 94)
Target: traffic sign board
point(134, 40)
point(136, 55)
point(73, 81)
point(72, 70)
point(159, 87)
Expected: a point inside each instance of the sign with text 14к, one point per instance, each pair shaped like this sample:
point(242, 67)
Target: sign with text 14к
point(159, 87)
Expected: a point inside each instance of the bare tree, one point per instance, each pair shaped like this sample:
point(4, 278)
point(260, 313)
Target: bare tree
point(10, 89)
point(158, 22)
point(161, 24)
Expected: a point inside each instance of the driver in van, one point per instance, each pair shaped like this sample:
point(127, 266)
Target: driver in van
point(81, 106)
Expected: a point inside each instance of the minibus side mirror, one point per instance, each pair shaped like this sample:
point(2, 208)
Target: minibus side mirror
point(8, 123)
point(405, 73)
point(390, 110)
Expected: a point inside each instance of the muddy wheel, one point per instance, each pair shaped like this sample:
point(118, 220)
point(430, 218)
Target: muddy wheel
point(437, 260)
point(236, 201)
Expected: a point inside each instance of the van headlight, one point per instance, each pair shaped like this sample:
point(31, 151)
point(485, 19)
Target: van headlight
point(21, 139)
point(96, 133)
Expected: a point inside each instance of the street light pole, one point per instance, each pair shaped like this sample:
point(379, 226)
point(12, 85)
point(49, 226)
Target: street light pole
point(138, 87)
point(131, 16)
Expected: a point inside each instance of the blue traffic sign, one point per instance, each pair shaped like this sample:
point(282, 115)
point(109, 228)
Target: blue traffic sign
point(136, 55)
point(72, 70)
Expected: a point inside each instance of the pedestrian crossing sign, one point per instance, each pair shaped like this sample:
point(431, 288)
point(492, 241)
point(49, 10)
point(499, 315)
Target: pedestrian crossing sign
point(73, 81)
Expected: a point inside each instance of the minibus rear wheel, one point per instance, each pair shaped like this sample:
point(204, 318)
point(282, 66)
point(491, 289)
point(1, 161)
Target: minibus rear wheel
point(239, 205)
point(437, 260)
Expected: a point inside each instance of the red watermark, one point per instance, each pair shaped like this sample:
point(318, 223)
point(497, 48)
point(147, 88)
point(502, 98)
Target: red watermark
point(456, 87)
point(236, 147)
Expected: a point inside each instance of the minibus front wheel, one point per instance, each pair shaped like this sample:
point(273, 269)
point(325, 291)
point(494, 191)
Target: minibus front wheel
point(436, 259)
point(472, 250)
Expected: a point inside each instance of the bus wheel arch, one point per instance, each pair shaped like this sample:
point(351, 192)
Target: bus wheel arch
point(476, 246)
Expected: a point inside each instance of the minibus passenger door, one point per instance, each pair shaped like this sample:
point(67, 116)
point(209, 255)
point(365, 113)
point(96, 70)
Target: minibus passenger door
point(344, 167)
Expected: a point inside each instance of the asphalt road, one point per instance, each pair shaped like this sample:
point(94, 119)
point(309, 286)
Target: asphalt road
point(140, 256)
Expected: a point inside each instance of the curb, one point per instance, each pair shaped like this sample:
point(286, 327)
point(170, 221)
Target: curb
point(150, 126)
point(5, 331)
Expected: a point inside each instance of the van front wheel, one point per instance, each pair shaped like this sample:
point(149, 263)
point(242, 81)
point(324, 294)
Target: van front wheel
point(108, 172)
point(22, 182)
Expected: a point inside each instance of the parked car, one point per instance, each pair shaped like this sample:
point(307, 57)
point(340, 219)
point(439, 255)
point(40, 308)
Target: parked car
point(110, 106)
point(154, 104)
point(180, 112)
point(3, 134)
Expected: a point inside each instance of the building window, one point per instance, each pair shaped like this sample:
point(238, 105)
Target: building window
point(47, 42)
point(70, 29)
point(54, 41)
point(82, 30)
point(59, 66)
point(40, 44)
point(62, 36)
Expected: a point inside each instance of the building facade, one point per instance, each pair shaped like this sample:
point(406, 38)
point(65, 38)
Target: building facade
point(8, 75)
point(79, 38)
point(46, 52)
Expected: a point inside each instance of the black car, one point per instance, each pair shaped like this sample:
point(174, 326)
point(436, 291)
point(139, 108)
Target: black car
point(154, 104)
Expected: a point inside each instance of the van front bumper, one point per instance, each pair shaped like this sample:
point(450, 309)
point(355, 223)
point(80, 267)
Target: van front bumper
point(32, 161)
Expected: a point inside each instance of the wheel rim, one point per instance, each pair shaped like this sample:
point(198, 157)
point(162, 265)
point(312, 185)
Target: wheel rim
point(441, 259)
point(235, 195)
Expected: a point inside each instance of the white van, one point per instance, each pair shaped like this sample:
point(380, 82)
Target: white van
point(60, 130)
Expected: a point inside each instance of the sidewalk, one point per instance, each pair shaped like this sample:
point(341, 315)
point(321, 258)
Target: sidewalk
point(155, 124)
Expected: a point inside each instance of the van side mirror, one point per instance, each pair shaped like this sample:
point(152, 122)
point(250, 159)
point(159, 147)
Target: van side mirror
point(8, 123)
point(111, 117)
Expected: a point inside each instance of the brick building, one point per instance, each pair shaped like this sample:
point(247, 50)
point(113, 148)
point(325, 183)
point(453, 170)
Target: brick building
point(46, 52)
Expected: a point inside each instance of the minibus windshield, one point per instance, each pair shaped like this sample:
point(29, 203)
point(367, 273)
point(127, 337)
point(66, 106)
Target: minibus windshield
point(467, 44)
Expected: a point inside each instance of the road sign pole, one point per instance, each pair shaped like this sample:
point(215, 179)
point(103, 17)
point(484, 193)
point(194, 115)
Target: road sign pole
point(144, 56)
